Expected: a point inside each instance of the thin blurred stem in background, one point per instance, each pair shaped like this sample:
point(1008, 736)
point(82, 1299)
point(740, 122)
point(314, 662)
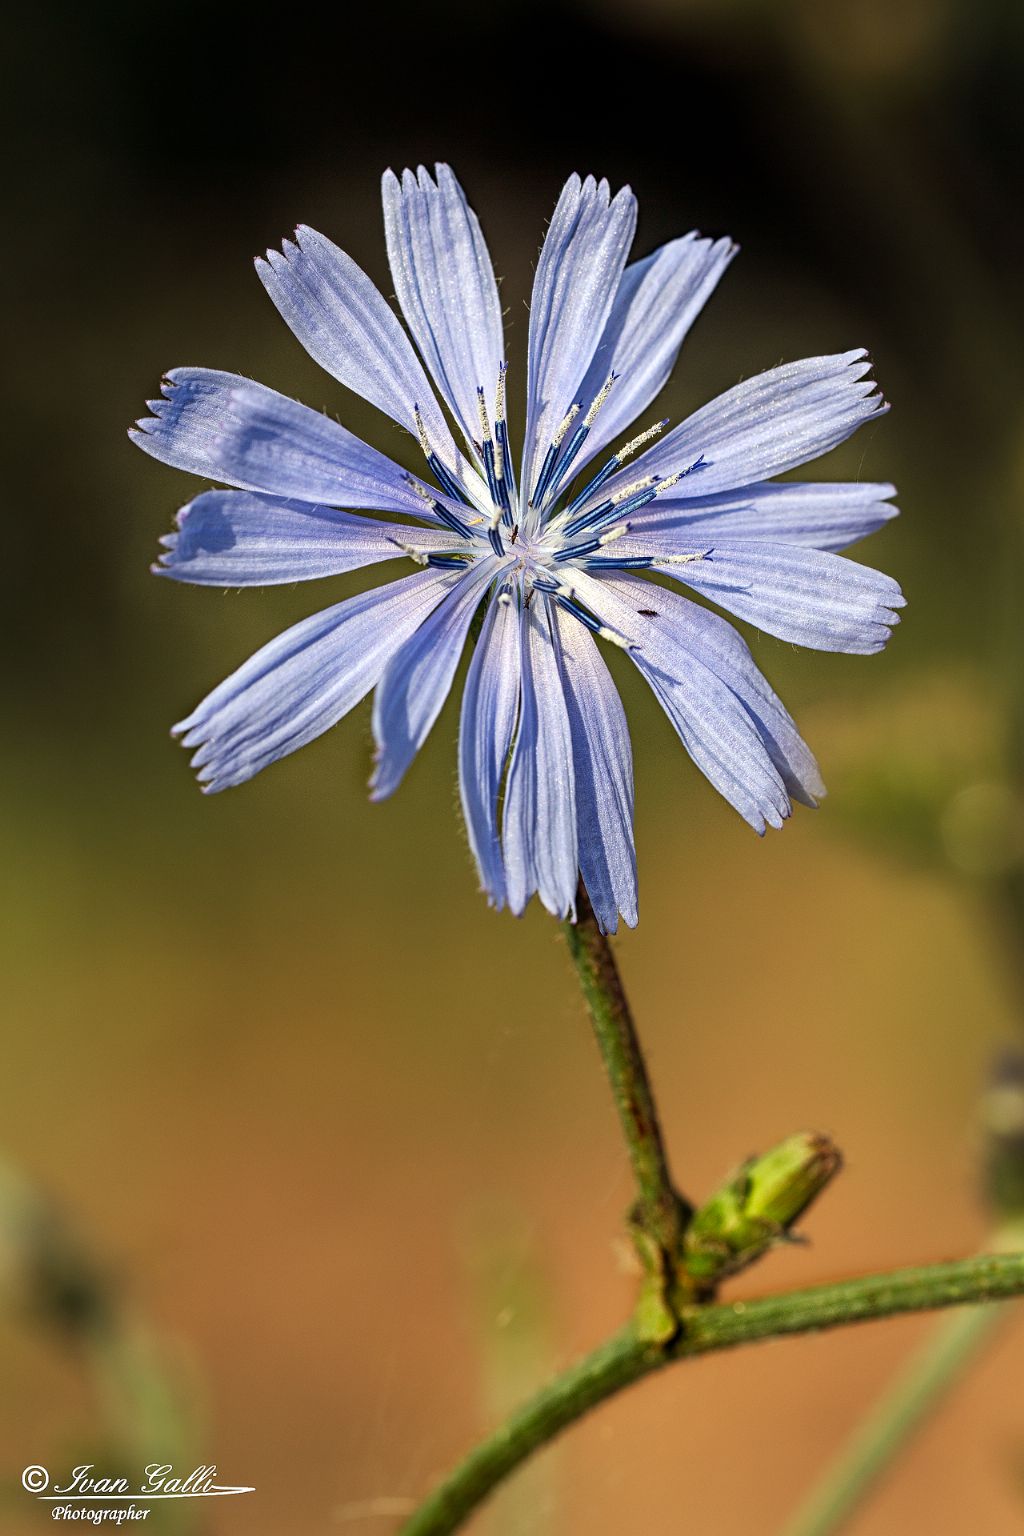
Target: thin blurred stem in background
point(938, 1367)
point(878, 1442)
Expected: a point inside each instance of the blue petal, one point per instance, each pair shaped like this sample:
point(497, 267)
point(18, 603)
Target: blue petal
point(763, 427)
point(684, 632)
point(813, 598)
point(303, 682)
point(824, 514)
point(344, 322)
point(577, 278)
point(715, 727)
point(603, 766)
point(419, 677)
point(224, 427)
point(657, 302)
point(241, 539)
point(445, 284)
point(540, 798)
point(490, 706)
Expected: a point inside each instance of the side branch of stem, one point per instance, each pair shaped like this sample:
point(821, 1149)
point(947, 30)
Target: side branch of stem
point(626, 1357)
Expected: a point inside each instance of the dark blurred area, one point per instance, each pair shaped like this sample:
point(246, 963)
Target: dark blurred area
point(339, 1129)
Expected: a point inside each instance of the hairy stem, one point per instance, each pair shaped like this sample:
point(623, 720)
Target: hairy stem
point(661, 1212)
point(626, 1358)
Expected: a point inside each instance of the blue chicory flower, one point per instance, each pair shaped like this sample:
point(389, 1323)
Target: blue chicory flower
point(555, 550)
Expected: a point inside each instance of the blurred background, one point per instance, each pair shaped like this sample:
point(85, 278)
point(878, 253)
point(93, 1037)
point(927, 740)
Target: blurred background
point(332, 1136)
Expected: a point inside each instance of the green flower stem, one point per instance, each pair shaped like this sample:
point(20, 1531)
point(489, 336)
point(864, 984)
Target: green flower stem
point(626, 1357)
point(661, 1212)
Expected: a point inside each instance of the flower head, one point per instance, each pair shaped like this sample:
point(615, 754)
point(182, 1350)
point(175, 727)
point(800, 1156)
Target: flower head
point(552, 545)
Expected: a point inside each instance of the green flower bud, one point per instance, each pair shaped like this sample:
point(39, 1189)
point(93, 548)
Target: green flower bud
point(756, 1208)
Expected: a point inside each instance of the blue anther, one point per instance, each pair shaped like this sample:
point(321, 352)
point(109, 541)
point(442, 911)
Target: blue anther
point(588, 519)
point(627, 563)
point(610, 511)
point(446, 480)
point(451, 521)
point(493, 483)
point(545, 475)
point(593, 485)
point(494, 535)
point(572, 606)
point(501, 434)
point(574, 551)
point(639, 499)
point(448, 562)
point(576, 442)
